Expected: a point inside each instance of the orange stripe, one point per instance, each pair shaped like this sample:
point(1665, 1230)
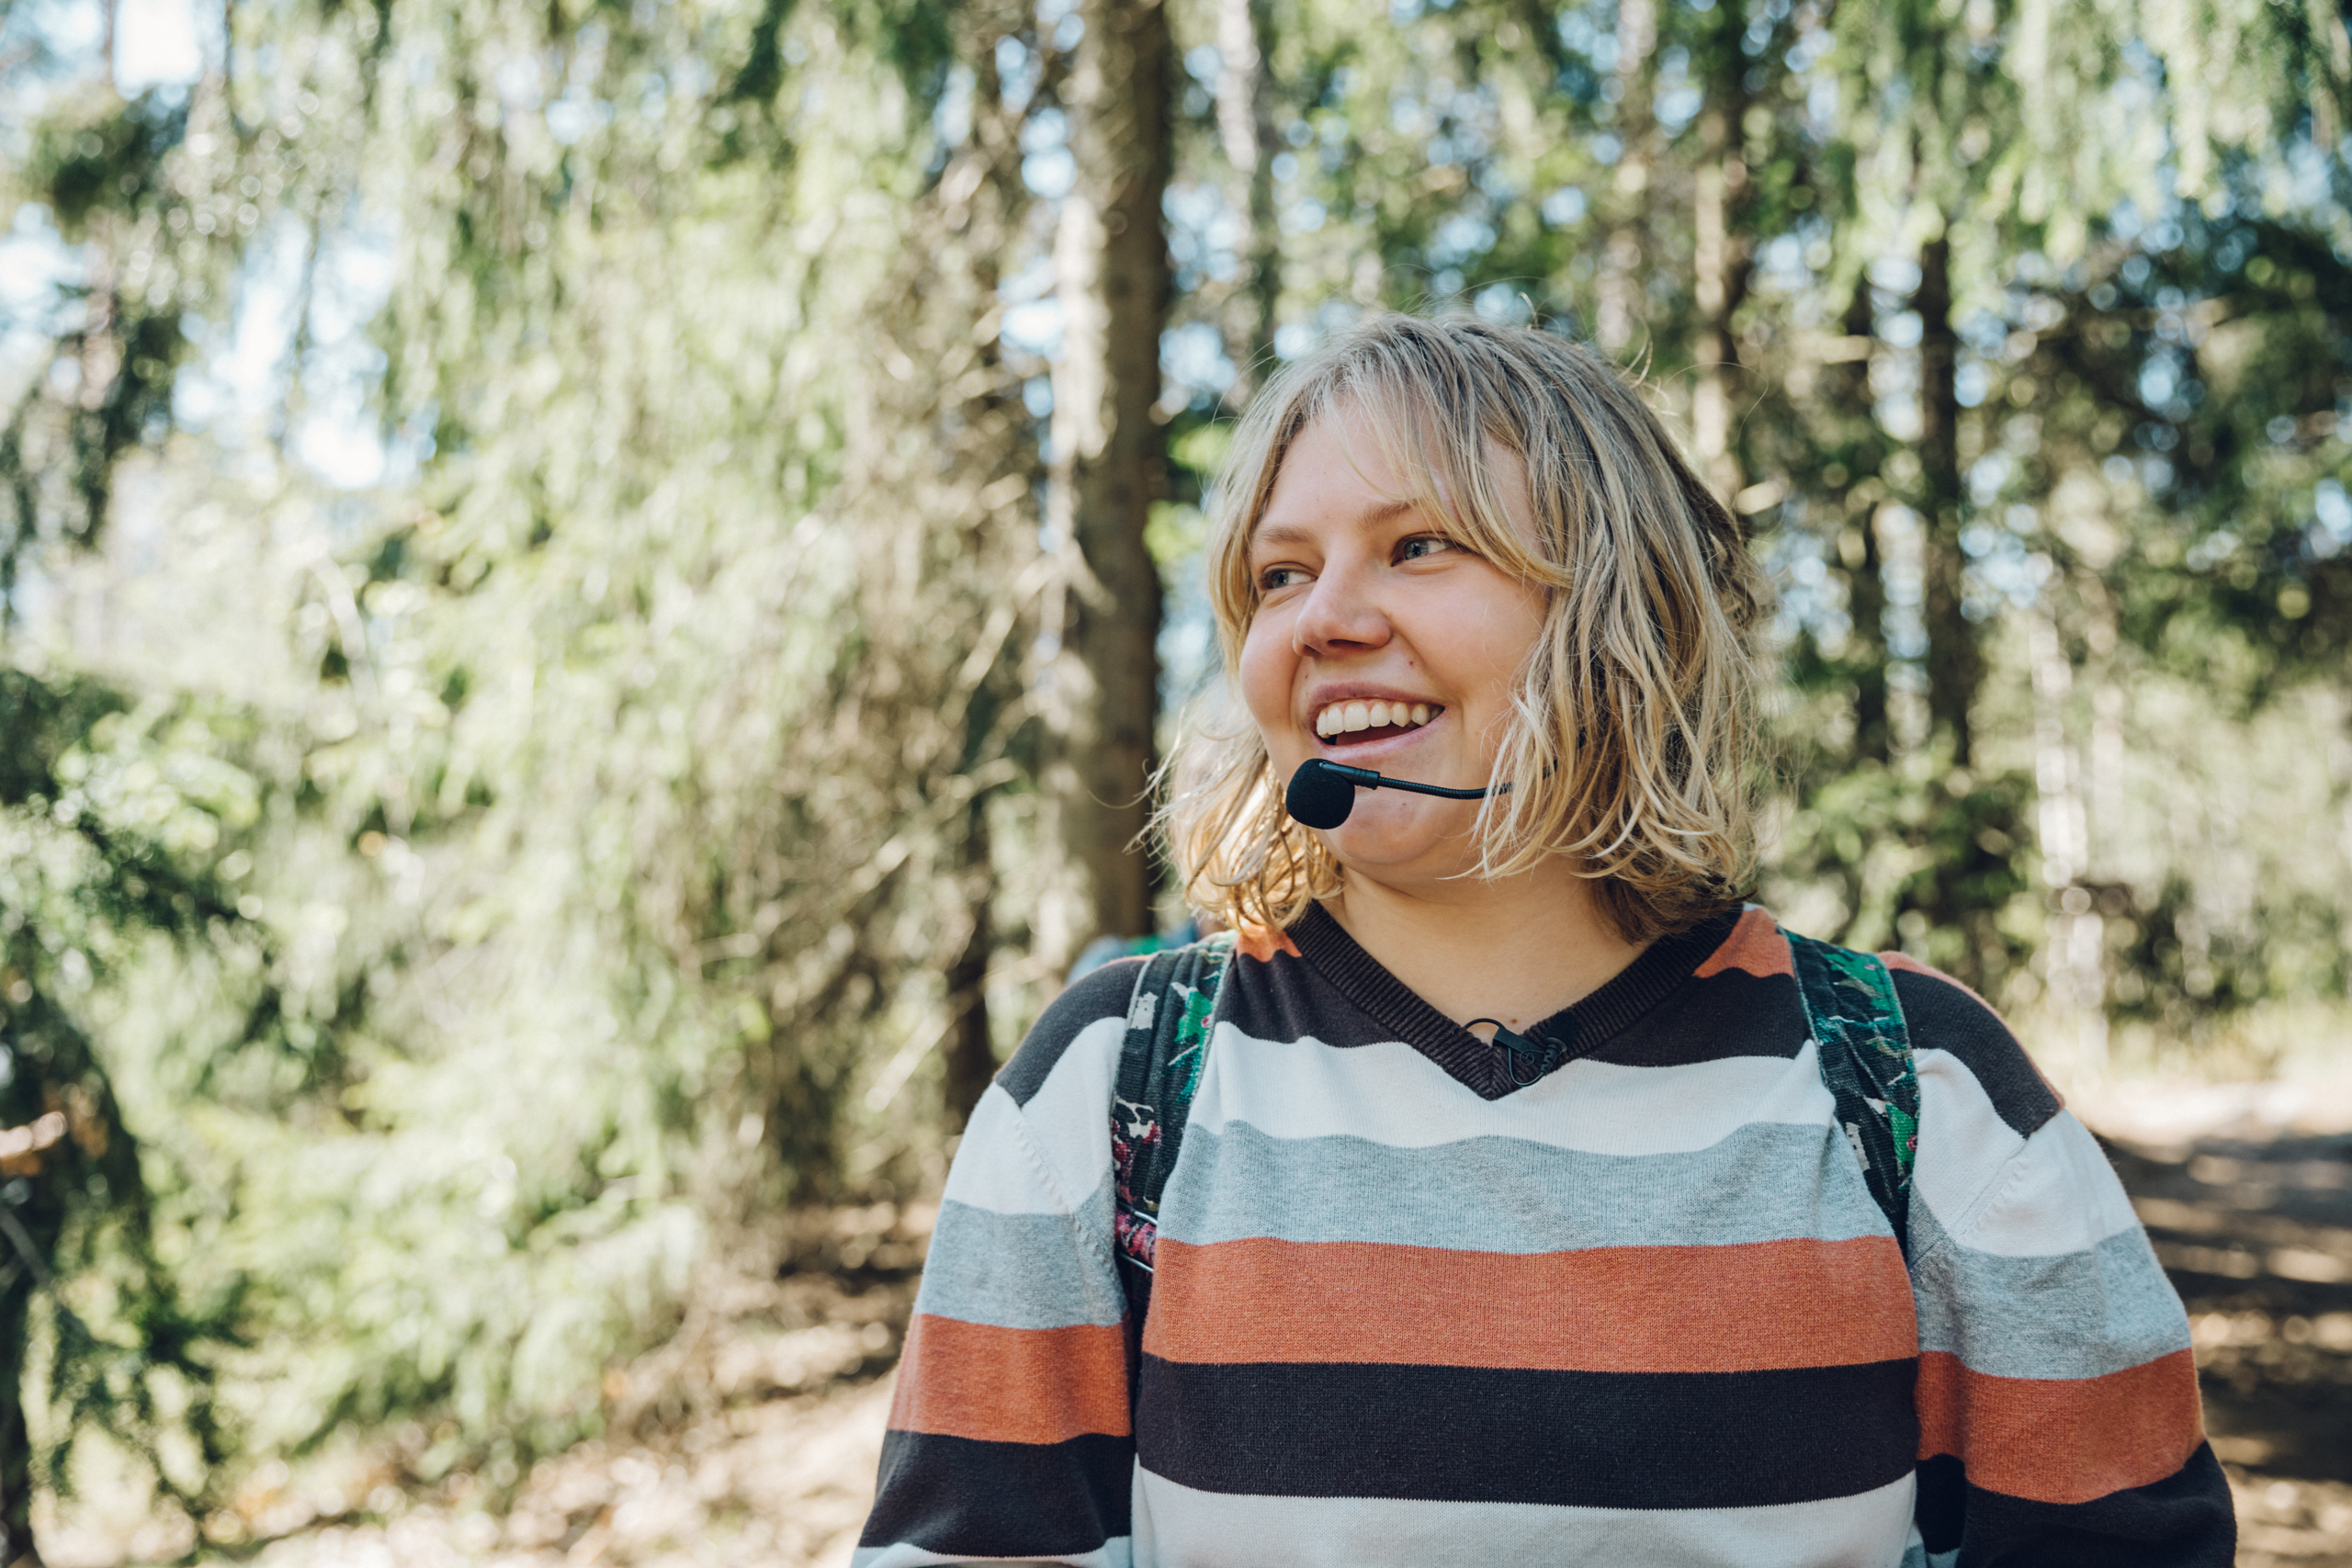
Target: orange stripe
point(1619, 1309)
point(1262, 943)
point(2062, 1440)
point(1755, 945)
point(1911, 965)
point(1010, 1385)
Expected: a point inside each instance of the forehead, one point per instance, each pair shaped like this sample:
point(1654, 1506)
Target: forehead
point(1336, 473)
point(1376, 470)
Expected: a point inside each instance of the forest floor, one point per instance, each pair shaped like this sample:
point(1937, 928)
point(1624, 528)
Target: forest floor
point(754, 1437)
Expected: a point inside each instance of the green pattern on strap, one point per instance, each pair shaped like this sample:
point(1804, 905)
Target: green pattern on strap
point(1167, 1044)
point(1865, 1059)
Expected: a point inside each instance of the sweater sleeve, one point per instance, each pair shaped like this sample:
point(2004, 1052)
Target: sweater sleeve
point(2059, 1420)
point(1009, 1435)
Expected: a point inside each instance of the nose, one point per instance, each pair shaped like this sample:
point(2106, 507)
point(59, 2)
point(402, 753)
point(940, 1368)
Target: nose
point(1341, 614)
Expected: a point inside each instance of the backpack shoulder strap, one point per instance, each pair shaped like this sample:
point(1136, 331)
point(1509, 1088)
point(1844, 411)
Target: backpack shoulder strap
point(1864, 1050)
point(1159, 1068)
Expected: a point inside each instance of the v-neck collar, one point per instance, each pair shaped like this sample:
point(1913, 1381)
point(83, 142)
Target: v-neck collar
point(1478, 1064)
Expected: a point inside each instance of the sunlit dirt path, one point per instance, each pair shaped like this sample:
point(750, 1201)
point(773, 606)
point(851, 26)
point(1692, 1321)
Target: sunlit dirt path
point(786, 1483)
point(2254, 1223)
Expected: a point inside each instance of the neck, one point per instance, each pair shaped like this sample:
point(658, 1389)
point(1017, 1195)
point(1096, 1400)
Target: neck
point(1519, 949)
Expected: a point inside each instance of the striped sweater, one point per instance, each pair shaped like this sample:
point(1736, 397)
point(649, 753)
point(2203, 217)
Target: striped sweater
point(1641, 1312)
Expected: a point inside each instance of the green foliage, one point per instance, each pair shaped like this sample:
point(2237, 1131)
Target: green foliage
point(445, 900)
point(106, 815)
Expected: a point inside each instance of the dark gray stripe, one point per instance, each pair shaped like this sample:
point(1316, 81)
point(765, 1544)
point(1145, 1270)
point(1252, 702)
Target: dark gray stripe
point(1020, 1270)
point(1506, 1435)
point(1942, 1017)
point(1767, 1182)
point(2078, 1314)
point(1098, 994)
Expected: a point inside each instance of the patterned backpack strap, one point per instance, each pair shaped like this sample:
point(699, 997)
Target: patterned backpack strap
point(1160, 1068)
point(1865, 1056)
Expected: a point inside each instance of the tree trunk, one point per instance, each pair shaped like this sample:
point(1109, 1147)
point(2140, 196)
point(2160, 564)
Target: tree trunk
point(1619, 289)
point(972, 1054)
point(1866, 600)
point(17, 1548)
point(1849, 399)
point(2073, 954)
point(1100, 695)
point(1245, 119)
point(1955, 664)
point(1720, 282)
point(998, 431)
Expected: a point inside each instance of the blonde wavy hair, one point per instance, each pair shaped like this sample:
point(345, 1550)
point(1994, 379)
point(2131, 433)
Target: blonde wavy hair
point(1632, 744)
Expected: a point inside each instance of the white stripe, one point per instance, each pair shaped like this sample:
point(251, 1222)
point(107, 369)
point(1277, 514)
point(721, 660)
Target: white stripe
point(1392, 1094)
point(1963, 1142)
point(1996, 1193)
point(1112, 1554)
point(2058, 1196)
point(1176, 1527)
point(1050, 1156)
point(995, 1168)
point(1070, 1116)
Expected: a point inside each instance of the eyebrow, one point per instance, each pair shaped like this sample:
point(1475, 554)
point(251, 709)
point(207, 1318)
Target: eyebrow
point(1295, 533)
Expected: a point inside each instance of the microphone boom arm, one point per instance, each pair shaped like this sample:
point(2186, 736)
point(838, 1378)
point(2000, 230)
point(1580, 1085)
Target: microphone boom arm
point(1322, 793)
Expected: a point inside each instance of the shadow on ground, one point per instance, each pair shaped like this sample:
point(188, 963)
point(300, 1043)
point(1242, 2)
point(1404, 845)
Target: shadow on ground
point(2256, 1233)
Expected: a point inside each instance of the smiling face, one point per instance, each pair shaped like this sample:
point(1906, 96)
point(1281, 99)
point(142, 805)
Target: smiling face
point(1380, 642)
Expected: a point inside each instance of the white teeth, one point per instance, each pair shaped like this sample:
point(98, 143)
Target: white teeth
point(1340, 718)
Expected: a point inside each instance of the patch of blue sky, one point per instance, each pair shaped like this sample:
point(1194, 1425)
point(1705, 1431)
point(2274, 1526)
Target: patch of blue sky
point(159, 44)
point(1193, 356)
point(1564, 206)
point(1460, 238)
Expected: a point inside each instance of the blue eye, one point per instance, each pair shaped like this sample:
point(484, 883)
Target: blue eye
point(1279, 576)
point(1423, 546)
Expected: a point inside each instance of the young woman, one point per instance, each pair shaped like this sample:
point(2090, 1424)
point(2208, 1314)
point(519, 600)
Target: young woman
point(1604, 1285)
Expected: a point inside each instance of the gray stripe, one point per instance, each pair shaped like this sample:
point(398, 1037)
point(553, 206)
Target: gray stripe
point(1019, 1270)
point(2076, 1314)
point(1767, 1182)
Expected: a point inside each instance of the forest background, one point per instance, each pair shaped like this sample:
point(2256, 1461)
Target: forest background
point(589, 592)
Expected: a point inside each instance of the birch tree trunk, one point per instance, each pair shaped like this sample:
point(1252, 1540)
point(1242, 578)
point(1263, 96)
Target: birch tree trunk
point(1244, 121)
point(1620, 304)
point(1722, 245)
point(1099, 692)
point(2073, 945)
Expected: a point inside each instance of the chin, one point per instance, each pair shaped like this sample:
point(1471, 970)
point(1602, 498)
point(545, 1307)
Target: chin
point(1379, 836)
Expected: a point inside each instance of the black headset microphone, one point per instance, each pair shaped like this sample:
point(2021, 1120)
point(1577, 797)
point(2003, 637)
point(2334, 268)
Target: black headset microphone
point(1321, 794)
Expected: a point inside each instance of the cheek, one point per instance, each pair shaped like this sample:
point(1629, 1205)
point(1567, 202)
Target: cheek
point(1267, 668)
point(1487, 663)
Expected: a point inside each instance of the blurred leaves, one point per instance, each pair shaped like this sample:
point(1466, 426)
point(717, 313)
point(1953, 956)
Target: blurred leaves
point(519, 639)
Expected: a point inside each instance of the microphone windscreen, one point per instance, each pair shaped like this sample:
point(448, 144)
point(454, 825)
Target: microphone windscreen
point(1319, 795)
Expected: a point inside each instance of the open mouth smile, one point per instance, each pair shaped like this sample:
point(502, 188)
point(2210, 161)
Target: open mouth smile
point(1358, 720)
